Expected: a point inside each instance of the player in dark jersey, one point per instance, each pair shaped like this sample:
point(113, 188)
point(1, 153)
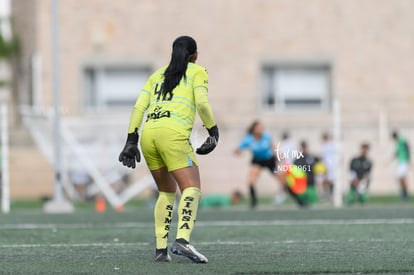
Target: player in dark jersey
point(307, 162)
point(360, 169)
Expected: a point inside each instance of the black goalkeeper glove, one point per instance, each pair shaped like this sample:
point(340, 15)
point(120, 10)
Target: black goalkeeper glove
point(210, 143)
point(130, 153)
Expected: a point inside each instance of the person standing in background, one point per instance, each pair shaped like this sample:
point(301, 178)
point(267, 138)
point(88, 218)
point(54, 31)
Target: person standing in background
point(402, 154)
point(328, 158)
point(221, 200)
point(284, 151)
point(360, 170)
point(285, 148)
point(307, 163)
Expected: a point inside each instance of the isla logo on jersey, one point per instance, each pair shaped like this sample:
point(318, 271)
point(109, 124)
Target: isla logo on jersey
point(158, 113)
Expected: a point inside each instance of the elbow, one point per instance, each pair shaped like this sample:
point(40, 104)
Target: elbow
point(202, 108)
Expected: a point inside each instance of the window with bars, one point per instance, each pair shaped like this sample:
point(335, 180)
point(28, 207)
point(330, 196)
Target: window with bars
point(296, 87)
point(113, 86)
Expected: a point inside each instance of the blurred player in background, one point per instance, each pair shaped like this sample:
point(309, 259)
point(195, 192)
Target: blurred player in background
point(360, 169)
point(220, 200)
point(307, 163)
point(284, 149)
point(260, 143)
point(328, 158)
point(402, 154)
point(80, 179)
point(319, 171)
point(171, 96)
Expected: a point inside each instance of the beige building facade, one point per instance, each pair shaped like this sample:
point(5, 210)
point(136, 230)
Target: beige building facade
point(281, 61)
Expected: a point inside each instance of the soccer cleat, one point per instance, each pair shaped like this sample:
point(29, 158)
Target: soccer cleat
point(161, 255)
point(183, 248)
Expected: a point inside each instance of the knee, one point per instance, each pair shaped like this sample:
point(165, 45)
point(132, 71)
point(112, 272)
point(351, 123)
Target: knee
point(252, 179)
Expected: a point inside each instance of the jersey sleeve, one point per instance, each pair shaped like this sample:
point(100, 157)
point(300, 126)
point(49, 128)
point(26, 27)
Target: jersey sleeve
point(245, 143)
point(268, 138)
point(140, 107)
point(201, 99)
point(369, 168)
point(407, 150)
point(352, 165)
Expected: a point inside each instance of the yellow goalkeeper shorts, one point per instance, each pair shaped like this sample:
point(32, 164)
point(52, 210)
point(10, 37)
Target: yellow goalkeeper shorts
point(164, 147)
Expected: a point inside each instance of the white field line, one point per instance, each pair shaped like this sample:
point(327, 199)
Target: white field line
point(86, 225)
point(296, 242)
point(62, 245)
point(309, 222)
point(51, 226)
point(218, 242)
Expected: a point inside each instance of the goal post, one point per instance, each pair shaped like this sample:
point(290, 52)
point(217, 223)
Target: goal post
point(338, 184)
point(4, 157)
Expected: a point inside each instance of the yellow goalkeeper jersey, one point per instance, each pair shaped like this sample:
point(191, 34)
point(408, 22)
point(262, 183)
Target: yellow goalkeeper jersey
point(175, 110)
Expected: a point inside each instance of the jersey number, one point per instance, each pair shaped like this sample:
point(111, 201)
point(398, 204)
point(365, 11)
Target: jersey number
point(165, 97)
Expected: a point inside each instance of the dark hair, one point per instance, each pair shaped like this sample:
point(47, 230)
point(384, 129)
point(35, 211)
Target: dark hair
point(394, 134)
point(237, 194)
point(183, 50)
point(252, 126)
point(326, 136)
point(304, 144)
point(365, 145)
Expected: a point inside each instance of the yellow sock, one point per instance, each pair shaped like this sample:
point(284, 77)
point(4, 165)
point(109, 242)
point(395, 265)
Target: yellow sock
point(187, 212)
point(163, 212)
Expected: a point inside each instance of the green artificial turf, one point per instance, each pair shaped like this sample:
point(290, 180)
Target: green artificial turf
point(372, 239)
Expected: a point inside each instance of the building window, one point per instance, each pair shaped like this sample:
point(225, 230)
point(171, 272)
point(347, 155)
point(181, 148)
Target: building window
point(296, 87)
point(113, 86)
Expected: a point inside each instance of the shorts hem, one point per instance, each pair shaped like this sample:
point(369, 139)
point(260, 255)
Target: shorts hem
point(156, 167)
point(181, 166)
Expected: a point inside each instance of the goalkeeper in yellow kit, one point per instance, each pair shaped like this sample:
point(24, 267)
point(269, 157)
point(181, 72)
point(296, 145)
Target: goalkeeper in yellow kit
point(171, 97)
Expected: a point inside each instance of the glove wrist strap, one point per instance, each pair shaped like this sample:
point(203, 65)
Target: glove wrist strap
point(133, 137)
point(213, 131)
